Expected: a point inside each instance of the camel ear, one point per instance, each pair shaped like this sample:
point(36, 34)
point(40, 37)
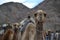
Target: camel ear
point(35, 15)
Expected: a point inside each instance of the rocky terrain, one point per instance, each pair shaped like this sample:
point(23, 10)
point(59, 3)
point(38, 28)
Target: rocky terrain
point(15, 12)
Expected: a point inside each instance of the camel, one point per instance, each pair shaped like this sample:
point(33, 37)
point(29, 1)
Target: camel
point(12, 32)
point(8, 35)
point(17, 33)
point(28, 29)
point(24, 23)
point(29, 33)
point(39, 19)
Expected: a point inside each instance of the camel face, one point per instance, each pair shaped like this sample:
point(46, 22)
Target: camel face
point(40, 15)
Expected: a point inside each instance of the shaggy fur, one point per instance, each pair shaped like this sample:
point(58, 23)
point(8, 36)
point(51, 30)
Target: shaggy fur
point(8, 35)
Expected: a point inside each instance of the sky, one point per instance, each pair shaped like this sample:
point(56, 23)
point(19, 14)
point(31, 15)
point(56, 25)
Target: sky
point(28, 3)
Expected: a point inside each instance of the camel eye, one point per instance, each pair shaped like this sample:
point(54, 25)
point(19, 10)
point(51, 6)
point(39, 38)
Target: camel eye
point(35, 14)
point(44, 15)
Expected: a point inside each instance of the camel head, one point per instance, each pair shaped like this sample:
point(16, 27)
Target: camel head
point(40, 15)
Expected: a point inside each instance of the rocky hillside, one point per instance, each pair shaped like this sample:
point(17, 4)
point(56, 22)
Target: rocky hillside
point(13, 12)
point(52, 8)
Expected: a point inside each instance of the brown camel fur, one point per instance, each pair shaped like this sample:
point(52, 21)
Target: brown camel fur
point(8, 35)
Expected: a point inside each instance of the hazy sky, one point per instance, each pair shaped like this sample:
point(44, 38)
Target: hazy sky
point(28, 3)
